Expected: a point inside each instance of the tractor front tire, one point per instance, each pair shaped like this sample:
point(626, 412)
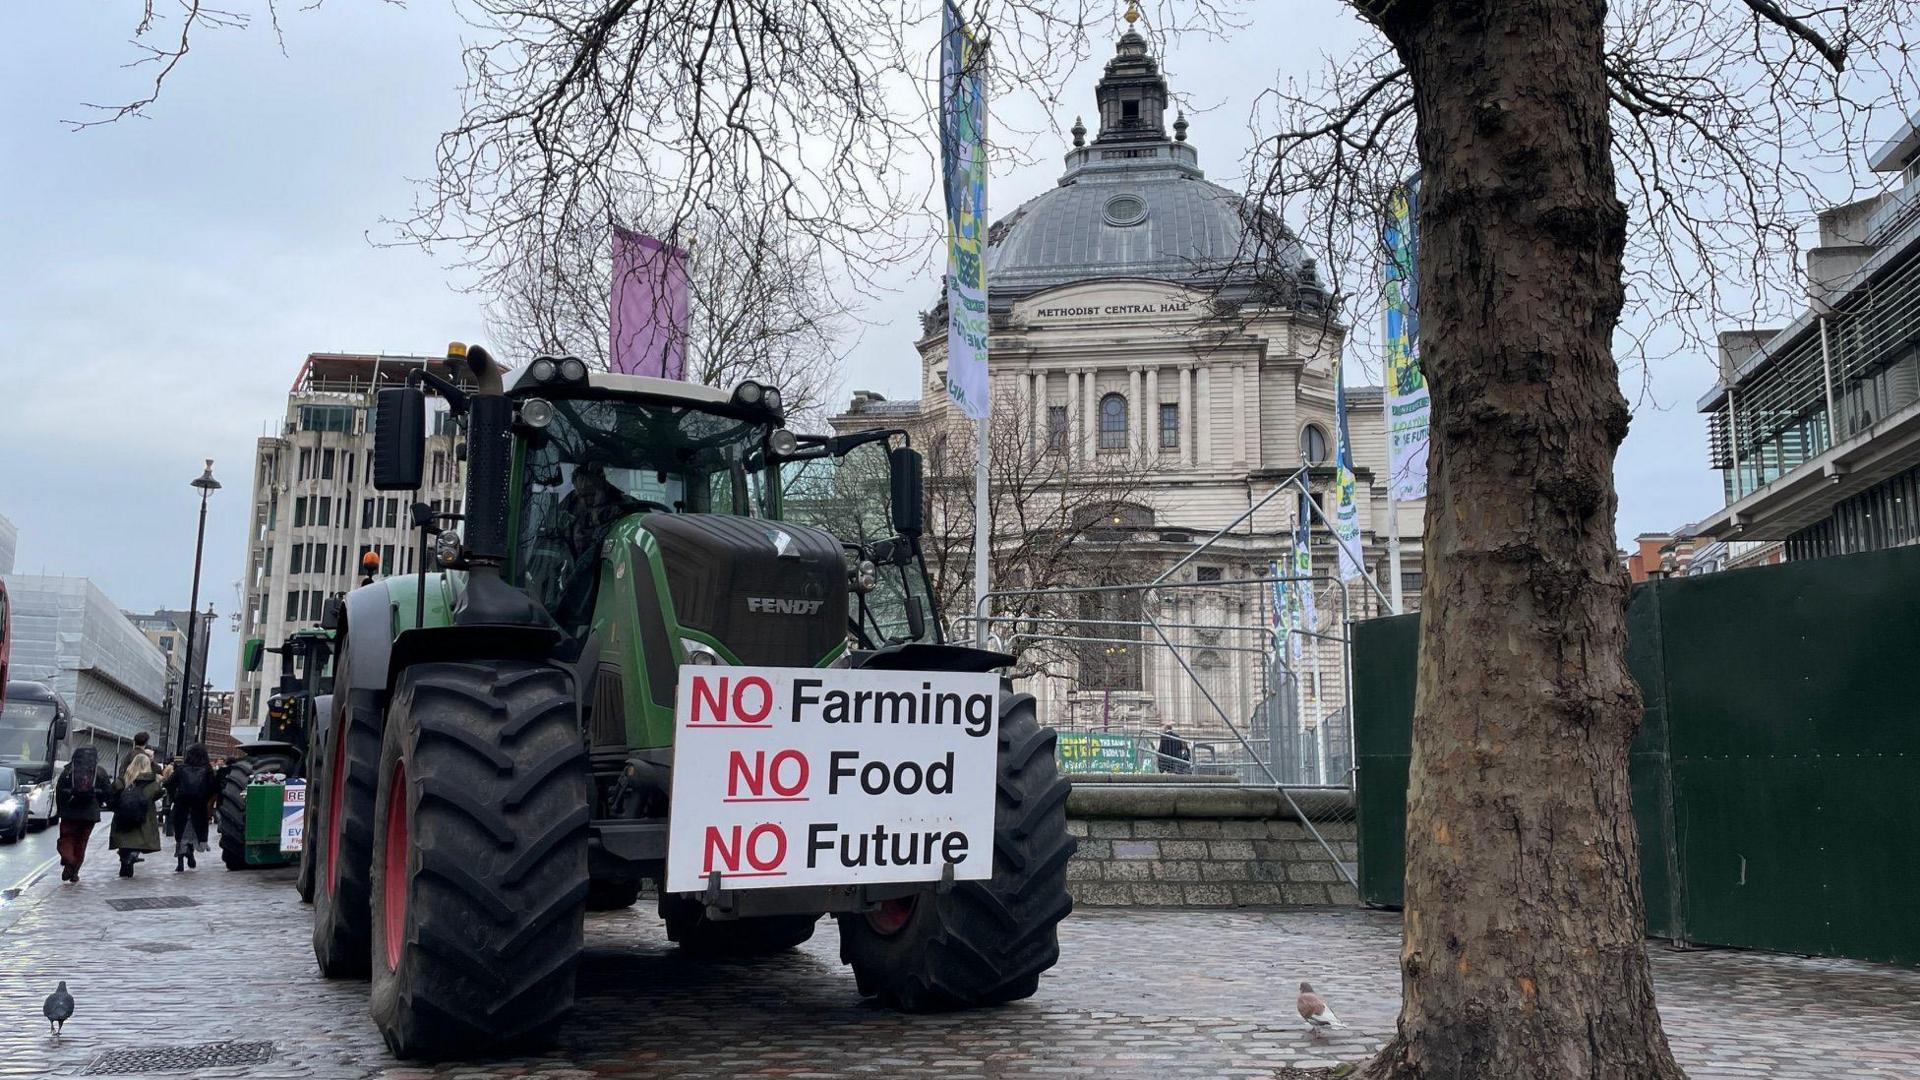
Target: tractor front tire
point(982, 942)
point(345, 784)
point(230, 814)
point(480, 875)
point(763, 935)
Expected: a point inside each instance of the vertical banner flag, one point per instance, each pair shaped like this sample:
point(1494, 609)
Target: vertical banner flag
point(1346, 513)
point(1300, 600)
point(1408, 404)
point(648, 321)
point(963, 165)
point(1282, 605)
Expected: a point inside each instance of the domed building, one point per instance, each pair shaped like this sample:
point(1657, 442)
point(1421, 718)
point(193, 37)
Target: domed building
point(1160, 359)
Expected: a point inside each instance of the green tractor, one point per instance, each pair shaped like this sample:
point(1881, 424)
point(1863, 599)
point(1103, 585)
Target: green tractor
point(499, 758)
point(248, 814)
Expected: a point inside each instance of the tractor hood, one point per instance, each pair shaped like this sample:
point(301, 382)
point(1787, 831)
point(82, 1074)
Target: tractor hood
point(771, 593)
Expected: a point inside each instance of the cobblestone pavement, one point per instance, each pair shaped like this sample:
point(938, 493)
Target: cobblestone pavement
point(1160, 994)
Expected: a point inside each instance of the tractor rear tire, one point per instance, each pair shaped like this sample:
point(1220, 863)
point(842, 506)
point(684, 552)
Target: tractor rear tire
point(345, 783)
point(480, 877)
point(612, 895)
point(982, 942)
point(230, 813)
point(764, 935)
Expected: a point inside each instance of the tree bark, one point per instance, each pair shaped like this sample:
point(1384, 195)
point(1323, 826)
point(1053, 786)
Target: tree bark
point(1523, 952)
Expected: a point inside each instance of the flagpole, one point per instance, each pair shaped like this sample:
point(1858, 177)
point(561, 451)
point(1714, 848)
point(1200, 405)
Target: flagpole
point(982, 518)
point(1393, 482)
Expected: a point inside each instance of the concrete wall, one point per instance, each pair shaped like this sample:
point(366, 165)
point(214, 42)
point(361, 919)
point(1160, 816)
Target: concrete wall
point(1204, 845)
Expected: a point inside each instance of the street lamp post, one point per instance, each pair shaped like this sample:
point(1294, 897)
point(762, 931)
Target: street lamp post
point(206, 686)
point(207, 485)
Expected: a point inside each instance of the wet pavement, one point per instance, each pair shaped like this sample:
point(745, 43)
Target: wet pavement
point(1139, 993)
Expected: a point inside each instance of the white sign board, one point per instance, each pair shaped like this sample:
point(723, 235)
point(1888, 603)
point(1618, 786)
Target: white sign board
point(293, 821)
point(828, 776)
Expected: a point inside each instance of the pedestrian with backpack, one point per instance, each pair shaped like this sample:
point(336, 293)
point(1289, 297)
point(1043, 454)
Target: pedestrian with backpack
point(136, 827)
point(190, 791)
point(80, 794)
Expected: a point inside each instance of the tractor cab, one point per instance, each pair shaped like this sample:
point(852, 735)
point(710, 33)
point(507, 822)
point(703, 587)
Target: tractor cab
point(306, 676)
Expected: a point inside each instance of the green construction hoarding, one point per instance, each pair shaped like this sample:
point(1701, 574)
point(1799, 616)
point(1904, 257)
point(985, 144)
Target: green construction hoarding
point(1776, 771)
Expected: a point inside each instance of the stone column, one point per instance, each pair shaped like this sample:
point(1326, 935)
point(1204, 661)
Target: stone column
point(1189, 430)
point(1037, 406)
point(1203, 414)
point(1072, 447)
point(1150, 421)
point(1136, 411)
point(1090, 408)
point(1240, 392)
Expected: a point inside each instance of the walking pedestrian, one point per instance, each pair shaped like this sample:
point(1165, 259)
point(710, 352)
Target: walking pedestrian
point(190, 792)
point(1175, 756)
point(136, 827)
point(80, 793)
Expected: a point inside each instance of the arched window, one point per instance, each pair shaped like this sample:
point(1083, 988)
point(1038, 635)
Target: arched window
point(1113, 422)
point(1313, 444)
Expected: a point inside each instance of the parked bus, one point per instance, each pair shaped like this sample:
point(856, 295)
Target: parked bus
point(33, 742)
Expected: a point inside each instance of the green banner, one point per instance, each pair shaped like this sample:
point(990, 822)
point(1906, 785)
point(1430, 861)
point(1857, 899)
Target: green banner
point(1100, 752)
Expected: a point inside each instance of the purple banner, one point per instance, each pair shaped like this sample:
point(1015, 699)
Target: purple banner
point(648, 323)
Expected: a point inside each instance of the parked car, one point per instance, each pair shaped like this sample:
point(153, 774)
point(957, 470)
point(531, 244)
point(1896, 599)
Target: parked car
point(13, 807)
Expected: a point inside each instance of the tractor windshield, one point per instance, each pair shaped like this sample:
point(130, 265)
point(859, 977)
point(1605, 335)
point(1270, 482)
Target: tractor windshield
point(851, 498)
point(601, 460)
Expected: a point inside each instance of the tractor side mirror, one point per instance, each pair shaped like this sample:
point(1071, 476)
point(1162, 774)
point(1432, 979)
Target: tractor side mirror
point(904, 464)
point(399, 438)
point(330, 613)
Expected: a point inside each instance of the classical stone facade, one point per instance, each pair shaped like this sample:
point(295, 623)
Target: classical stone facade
point(1151, 333)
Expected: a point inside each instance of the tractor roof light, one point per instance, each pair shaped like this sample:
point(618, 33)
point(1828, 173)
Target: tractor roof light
point(748, 392)
point(536, 412)
point(572, 369)
point(773, 398)
point(544, 370)
point(446, 548)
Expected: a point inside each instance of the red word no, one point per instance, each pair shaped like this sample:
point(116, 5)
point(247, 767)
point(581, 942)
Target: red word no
point(786, 773)
point(750, 699)
point(730, 847)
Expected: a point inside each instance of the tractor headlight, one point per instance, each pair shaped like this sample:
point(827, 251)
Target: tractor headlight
point(783, 442)
point(773, 398)
point(572, 370)
point(749, 392)
point(699, 653)
point(536, 412)
point(446, 548)
point(543, 370)
point(865, 577)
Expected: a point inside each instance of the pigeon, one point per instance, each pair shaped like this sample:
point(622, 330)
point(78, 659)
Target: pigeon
point(59, 1008)
point(1313, 1009)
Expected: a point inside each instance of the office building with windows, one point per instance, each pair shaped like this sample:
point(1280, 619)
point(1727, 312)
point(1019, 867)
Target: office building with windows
point(315, 513)
point(1816, 425)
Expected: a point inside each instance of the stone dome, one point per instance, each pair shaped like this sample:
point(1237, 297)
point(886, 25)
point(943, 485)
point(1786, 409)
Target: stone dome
point(1134, 204)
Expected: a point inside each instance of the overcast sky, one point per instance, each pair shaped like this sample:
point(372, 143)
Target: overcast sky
point(165, 276)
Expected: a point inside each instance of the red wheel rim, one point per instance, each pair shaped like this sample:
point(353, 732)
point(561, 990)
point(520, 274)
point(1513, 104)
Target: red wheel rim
point(393, 868)
point(335, 784)
point(888, 919)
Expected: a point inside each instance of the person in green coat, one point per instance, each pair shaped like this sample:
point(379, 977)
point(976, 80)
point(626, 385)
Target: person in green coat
point(133, 838)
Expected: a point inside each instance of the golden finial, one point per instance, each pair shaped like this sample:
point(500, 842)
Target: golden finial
point(1133, 12)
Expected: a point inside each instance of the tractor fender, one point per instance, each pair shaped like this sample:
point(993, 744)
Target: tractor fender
point(366, 654)
point(480, 641)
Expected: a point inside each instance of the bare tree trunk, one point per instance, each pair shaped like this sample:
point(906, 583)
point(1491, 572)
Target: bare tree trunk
point(1523, 952)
